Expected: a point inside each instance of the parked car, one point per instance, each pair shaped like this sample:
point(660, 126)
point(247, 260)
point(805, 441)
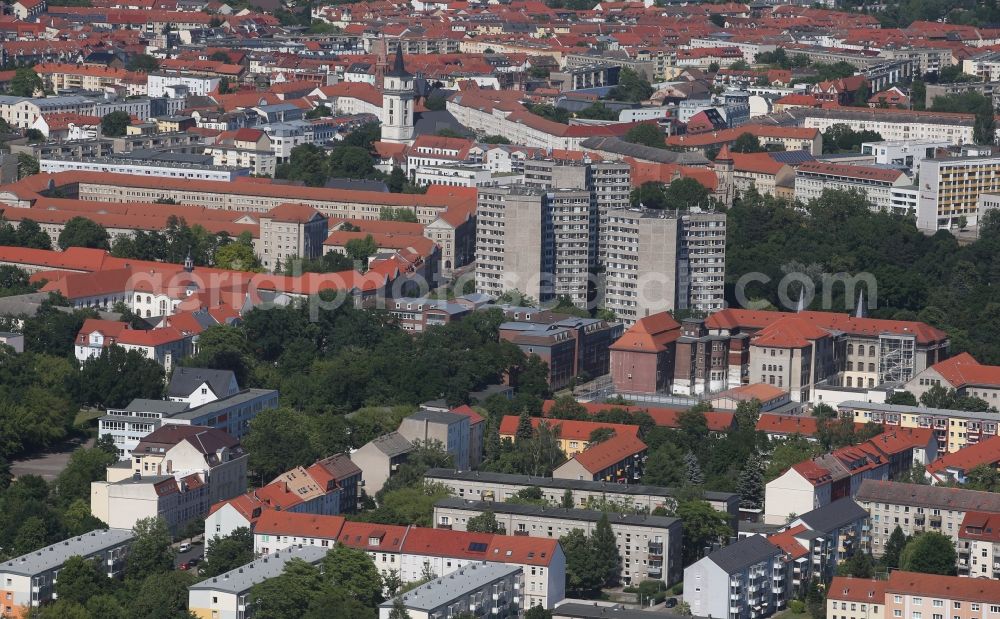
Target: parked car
point(671, 602)
point(184, 547)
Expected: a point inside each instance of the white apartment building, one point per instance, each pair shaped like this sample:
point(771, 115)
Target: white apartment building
point(227, 596)
point(165, 84)
point(813, 177)
point(950, 189)
point(28, 581)
point(140, 167)
point(232, 414)
point(176, 473)
point(482, 589)
point(893, 125)
point(649, 546)
point(904, 153)
point(663, 261)
point(915, 508)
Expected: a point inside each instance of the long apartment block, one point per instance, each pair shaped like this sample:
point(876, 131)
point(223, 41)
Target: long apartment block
point(915, 508)
point(497, 487)
point(28, 581)
point(650, 546)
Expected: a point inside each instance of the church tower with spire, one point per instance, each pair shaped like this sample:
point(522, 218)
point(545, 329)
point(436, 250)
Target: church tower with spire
point(397, 102)
point(725, 190)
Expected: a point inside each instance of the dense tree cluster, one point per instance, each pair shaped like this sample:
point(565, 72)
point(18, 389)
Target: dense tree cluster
point(681, 194)
point(593, 561)
point(841, 138)
point(178, 241)
point(919, 277)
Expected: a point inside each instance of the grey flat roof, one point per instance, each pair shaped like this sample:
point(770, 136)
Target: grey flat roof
point(257, 571)
point(454, 585)
point(236, 399)
point(562, 513)
point(55, 555)
point(593, 611)
point(917, 410)
point(563, 484)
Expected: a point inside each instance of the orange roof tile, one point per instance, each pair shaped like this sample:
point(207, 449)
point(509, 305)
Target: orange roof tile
point(568, 428)
point(605, 454)
point(278, 522)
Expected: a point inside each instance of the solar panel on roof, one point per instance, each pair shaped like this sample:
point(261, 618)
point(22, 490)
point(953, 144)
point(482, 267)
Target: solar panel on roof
point(477, 547)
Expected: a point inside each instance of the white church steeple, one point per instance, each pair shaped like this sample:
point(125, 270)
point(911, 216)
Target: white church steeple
point(397, 102)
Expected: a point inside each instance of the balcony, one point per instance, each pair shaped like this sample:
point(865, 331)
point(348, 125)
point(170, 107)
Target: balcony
point(522, 533)
point(655, 548)
point(444, 526)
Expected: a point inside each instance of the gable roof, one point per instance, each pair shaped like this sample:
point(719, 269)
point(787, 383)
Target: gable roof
point(650, 334)
point(742, 553)
point(280, 522)
point(185, 380)
point(963, 370)
point(596, 458)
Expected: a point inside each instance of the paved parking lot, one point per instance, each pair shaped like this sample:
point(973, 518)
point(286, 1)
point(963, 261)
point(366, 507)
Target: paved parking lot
point(49, 465)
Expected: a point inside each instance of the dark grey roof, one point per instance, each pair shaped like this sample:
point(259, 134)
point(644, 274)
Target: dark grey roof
point(563, 484)
point(398, 67)
point(833, 516)
point(392, 444)
point(561, 513)
point(247, 395)
point(166, 407)
point(658, 155)
point(759, 528)
point(185, 380)
point(937, 497)
point(356, 184)
point(574, 610)
point(743, 553)
point(791, 157)
point(432, 121)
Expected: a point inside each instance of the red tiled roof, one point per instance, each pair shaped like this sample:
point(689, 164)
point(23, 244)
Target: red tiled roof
point(650, 334)
point(757, 319)
point(718, 421)
point(446, 543)
point(787, 424)
point(278, 522)
point(787, 542)
point(867, 173)
point(387, 537)
point(967, 458)
point(292, 213)
point(980, 526)
point(603, 455)
point(522, 550)
point(466, 410)
point(568, 428)
point(963, 369)
point(980, 590)
point(849, 589)
point(789, 332)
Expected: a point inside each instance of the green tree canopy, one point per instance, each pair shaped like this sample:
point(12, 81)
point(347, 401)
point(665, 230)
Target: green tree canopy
point(83, 232)
point(115, 124)
point(631, 87)
point(25, 83)
point(485, 522)
point(929, 552)
point(646, 134)
point(228, 552)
